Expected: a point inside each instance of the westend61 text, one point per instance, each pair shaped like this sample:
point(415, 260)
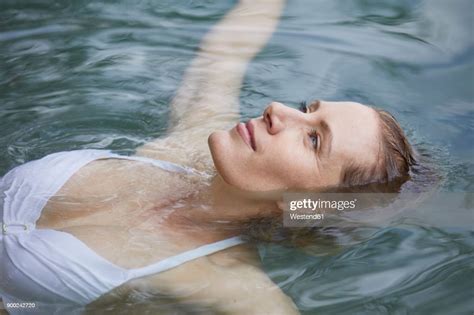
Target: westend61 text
point(322, 204)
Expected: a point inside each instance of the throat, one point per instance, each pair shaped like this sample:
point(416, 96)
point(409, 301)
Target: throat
point(215, 211)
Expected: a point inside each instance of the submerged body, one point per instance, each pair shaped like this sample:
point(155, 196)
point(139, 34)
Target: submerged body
point(106, 224)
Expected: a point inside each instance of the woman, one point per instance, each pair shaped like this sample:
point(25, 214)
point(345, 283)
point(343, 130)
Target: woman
point(90, 228)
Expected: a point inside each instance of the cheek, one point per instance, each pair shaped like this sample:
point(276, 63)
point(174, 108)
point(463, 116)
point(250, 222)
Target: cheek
point(284, 163)
point(301, 170)
point(292, 163)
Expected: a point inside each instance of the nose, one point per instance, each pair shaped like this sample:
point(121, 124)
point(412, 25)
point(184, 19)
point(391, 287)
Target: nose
point(277, 117)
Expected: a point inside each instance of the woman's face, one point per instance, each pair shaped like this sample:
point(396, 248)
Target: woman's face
point(288, 148)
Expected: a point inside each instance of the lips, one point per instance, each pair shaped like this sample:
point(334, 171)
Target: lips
point(251, 131)
point(247, 133)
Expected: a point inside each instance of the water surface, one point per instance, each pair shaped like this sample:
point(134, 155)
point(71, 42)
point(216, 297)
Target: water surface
point(84, 74)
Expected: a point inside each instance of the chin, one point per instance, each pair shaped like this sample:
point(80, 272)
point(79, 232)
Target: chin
point(217, 145)
point(219, 142)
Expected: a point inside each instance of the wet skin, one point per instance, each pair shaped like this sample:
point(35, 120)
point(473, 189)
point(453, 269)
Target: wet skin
point(289, 148)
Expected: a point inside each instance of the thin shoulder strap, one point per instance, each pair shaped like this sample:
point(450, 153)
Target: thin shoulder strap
point(189, 255)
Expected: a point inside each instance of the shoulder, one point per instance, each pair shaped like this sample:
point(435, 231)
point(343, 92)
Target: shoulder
point(181, 148)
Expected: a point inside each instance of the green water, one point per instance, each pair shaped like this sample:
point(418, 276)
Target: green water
point(84, 74)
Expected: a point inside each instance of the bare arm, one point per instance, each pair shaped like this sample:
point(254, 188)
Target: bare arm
point(211, 85)
point(208, 98)
point(219, 284)
point(232, 288)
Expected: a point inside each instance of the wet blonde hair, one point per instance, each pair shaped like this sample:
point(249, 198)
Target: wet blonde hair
point(395, 158)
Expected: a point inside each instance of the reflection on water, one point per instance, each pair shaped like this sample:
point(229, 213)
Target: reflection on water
point(82, 74)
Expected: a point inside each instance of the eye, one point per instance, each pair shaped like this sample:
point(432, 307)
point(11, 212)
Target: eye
point(313, 135)
point(303, 107)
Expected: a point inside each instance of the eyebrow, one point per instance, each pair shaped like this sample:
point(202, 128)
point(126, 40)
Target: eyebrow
point(314, 106)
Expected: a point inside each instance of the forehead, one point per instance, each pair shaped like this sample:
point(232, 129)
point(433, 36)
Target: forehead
point(355, 131)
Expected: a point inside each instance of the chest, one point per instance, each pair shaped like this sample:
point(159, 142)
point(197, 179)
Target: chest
point(119, 210)
point(111, 192)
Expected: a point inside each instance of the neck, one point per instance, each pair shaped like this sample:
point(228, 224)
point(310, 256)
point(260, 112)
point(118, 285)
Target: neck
point(238, 205)
point(219, 210)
